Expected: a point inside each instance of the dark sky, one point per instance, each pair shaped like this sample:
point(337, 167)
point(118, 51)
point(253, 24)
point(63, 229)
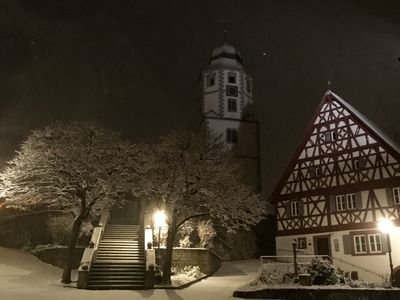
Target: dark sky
point(134, 65)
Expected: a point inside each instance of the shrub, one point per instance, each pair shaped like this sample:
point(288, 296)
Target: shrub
point(206, 234)
point(322, 272)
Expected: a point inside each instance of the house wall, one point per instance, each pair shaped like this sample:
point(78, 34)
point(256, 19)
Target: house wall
point(371, 267)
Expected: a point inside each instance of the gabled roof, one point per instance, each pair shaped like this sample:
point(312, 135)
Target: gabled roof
point(371, 128)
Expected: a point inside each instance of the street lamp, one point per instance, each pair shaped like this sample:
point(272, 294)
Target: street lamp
point(159, 219)
point(386, 226)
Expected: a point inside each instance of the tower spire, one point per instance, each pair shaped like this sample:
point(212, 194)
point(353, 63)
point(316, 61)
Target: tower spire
point(224, 23)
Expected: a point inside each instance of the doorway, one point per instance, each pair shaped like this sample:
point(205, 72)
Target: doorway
point(322, 245)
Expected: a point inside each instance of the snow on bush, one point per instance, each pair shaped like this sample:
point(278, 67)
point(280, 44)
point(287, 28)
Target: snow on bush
point(322, 272)
point(206, 234)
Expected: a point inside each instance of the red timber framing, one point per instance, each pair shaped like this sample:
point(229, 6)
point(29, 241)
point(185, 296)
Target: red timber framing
point(341, 154)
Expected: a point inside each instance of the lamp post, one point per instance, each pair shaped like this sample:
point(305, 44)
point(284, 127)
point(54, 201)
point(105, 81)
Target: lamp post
point(386, 226)
point(159, 218)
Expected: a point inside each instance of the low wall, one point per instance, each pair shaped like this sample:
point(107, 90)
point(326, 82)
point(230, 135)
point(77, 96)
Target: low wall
point(56, 256)
point(207, 260)
point(321, 293)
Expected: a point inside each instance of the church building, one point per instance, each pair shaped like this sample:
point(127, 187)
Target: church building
point(227, 108)
point(343, 179)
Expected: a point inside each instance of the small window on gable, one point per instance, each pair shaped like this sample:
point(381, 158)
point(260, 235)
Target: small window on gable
point(231, 136)
point(232, 105)
point(231, 77)
point(301, 243)
point(315, 172)
point(359, 163)
point(396, 195)
point(210, 79)
point(294, 209)
point(330, 136)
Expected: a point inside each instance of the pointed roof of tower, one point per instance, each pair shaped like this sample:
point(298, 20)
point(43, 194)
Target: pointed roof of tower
point(226, 55)
point(364, 122)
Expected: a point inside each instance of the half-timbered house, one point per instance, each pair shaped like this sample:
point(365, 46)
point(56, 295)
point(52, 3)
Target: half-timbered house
point(342, 179)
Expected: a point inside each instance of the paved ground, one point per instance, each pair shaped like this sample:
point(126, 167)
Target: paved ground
point(22, 276)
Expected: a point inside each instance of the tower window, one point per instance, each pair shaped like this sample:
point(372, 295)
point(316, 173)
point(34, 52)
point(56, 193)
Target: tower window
point(360, 163)
point(232, 105)
point(231, 135)
point(231, 77)
point(210, 79)
point(231, 90)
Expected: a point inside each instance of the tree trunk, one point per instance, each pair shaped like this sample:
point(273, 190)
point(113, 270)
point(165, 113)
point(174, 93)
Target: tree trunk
point(76, 229)
point(166, 278)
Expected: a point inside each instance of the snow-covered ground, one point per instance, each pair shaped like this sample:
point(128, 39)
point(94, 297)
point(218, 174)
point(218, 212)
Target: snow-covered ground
point(23, 276)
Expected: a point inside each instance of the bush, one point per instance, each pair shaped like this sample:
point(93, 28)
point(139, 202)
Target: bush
point(322, 272)
point(206, 234)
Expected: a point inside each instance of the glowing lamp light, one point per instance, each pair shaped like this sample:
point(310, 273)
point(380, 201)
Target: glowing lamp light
point(385, 226)
point(159, 219)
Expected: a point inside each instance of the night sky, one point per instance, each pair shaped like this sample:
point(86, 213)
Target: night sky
point(134, 66)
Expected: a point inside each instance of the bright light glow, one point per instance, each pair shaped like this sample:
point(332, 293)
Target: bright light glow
point(385, 225)
point(148, 236)
point(159, 218)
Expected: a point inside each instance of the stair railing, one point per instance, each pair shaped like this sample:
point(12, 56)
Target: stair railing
point(90, 252)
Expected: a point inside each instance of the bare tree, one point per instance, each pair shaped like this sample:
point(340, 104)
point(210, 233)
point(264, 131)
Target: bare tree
point(192, 176)
point(75, 167)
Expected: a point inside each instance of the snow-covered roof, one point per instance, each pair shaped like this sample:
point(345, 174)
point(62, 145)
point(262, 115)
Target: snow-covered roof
point(366, 121)
point(226, 55)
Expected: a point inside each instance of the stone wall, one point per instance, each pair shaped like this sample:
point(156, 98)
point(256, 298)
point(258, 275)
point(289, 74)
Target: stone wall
point(207, 260)
point(320, 293)
point(56, 256)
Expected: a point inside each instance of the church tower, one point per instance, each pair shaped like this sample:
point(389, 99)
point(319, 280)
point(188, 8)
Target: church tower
point(227, 107)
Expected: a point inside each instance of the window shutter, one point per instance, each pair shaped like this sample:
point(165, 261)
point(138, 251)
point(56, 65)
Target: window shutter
point(313, 174)
point(332, 203)
point(288, 211)
point(384, 242)
point(347, 244)
point(358, 200)
point(301, 207)
point(389, 196)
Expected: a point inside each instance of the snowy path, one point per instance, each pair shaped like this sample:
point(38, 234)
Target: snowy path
point(22, 276)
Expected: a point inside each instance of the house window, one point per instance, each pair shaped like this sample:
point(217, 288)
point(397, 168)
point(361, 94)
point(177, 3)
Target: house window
point(330, 136)
point(351, 201)
point(232, 105)
point(396, 195)
point(360, 246)
point(232, 77)
point(315, 172)
point(375, 244)
point(231, 136)
point(359, 163)
point(302, 243)
point(294, 209)
point(210, 79)
point(340, 202)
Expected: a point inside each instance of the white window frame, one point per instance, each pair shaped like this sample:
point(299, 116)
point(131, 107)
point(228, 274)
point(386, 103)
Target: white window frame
point(396, 195)
point(341, 202)
point(351, 201)
point(360, 244)
point(294, 209)
point(375, 243)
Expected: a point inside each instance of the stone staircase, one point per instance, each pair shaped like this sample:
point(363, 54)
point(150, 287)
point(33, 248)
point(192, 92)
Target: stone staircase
point(120, 259)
